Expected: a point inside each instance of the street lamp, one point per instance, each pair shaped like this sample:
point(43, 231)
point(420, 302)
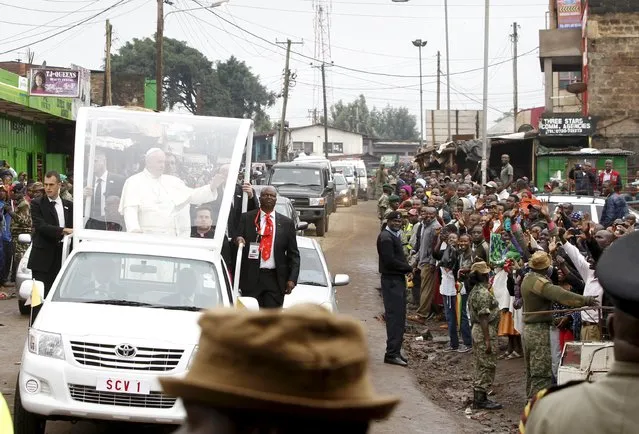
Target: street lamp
point(214, 5)
point(420, 44)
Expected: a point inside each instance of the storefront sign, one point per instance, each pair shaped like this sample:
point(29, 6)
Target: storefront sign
point(567, 126)
point(569, 14)
point(54, 82)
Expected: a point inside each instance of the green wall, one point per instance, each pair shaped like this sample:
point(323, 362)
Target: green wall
point(548, 165)
point(19, 140)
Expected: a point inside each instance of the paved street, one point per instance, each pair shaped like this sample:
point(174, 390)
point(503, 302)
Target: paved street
point(350, 248)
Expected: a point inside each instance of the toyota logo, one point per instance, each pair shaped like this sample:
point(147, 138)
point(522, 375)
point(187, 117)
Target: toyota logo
point(126, 350)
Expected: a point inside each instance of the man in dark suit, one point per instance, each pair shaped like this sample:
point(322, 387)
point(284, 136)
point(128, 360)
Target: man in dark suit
point(270, 259)
point(52, 219)
point(105, 184)
point(204, 229)
point(393, 268)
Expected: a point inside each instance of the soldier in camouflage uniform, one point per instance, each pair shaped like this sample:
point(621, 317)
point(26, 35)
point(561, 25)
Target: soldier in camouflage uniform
point(484, 316)
point(538, 293)
point(20, 224)
point(382, 202)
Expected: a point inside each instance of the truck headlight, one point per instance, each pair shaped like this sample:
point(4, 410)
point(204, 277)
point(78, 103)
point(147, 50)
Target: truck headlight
point(317, 201)
point(46, 344)
point(345, 191)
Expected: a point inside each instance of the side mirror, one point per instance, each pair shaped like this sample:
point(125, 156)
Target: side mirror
point(330, 185)
point(248, 303)
point(27, 287)
point(341, 280)
point(302, 226)
point(24, 238)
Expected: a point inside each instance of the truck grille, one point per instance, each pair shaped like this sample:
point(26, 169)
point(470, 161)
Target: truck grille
point(299, 201)
point(145, 359)
point(91, 395)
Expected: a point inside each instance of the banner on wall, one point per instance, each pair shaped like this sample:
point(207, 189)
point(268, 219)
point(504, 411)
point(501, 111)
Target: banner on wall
point(569, 14)
point(54, 82)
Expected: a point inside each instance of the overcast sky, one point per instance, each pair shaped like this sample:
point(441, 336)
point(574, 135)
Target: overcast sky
point(370, 45)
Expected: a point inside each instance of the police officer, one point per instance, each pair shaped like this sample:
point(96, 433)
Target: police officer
point(484, 315)
point(393, 267)
point(608, 405)
point(538, 293)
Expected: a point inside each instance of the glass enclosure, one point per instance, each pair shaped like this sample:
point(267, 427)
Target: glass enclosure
point(150, 173)
point(151, 281)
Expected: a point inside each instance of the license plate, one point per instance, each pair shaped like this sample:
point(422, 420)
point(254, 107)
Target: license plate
point(122, 385)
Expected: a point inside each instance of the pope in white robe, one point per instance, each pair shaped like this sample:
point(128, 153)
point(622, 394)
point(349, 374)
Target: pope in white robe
point(155, 203)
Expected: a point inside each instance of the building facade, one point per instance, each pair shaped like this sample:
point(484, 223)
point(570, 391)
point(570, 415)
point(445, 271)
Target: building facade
point(310, 140)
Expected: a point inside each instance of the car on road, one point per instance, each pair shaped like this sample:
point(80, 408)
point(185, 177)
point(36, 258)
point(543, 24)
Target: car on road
point(343, 193)
point(592, 205)
point(315, 283)
point(349, 170)
point(284, 206)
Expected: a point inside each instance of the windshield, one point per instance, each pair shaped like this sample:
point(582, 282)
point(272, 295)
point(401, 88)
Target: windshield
point(340, 181)
point(158, 281)
point(311, 268)
point(346, 170)
point(146, 172)
point(296, 175)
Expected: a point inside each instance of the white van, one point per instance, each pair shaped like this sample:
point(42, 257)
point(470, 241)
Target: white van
point(359, 169)
point(124, 307)
point(348, 169)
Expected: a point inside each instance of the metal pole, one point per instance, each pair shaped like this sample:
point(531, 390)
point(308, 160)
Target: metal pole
point(447, 70)
point(421, 102)
point(515, 84)
point(484, 127)
point(325, 113)
point(287, 74)
point(159, 48)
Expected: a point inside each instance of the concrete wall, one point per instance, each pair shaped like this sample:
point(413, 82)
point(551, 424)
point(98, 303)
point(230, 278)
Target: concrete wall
point(352, 143)
point(613, 85)
point(127, 89)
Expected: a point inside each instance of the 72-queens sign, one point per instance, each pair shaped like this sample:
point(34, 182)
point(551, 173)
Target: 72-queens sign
point(567, 126)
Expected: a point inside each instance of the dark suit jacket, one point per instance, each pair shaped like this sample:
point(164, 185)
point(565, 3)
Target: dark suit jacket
point(391, 254)
point(46, 251)
point(114, 185)
point(226, 246)
point(285, 252)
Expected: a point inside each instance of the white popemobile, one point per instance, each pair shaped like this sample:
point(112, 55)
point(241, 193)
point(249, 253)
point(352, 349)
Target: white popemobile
point(124, 307)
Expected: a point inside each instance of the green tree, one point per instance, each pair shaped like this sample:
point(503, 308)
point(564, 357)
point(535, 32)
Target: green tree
point(392, 123)
point(226, 88)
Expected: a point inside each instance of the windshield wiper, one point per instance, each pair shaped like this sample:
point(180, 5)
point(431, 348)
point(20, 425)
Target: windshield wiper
point(285, 183)
point(311, 284)
point(189, 308)
point(119, 302)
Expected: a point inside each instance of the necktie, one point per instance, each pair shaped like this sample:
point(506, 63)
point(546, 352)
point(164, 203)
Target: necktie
point(266, 242)
point(97, 196)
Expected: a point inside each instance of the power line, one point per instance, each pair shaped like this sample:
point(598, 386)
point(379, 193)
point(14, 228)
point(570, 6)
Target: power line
point(44, 11)
point(65, 30)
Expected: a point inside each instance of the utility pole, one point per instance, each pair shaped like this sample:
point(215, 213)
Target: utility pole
point(515, 39)
point(281, 139)
point(484, 150)
point(325, 110)
point(108, 96)
point(439, 78)
point(450, 137)
point(420, 44)
point(159, 55)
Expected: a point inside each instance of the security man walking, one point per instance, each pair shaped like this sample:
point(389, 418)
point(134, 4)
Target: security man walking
point(538, 293)
point(393, 268)
point(608, 405)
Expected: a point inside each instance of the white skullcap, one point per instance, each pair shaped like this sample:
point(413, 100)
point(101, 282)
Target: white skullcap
point(152, 151)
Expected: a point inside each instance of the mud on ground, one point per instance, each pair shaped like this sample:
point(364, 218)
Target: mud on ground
point(446, 378)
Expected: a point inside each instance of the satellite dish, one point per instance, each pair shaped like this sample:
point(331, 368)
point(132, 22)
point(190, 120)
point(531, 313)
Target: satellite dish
point(577, 88)
point(525, 128)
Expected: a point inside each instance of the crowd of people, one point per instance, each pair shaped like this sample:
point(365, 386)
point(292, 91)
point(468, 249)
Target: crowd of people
point(496, 261)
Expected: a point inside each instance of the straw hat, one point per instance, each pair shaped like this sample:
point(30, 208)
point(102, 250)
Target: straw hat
point(540, 260)
point(303, 360)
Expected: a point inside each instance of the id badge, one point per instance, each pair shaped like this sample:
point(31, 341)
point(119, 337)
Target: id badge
point(254, 251)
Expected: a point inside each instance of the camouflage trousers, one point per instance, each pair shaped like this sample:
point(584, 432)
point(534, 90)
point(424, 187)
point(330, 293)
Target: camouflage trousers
point(484, 364)
point(537, 355)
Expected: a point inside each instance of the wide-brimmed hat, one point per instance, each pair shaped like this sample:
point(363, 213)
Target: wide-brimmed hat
point(540, 260)
point(302, 361)
point(480, 267)
point(491, 184)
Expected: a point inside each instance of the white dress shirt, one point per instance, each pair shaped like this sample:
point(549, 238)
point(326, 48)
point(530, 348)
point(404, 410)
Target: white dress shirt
point(59, 210)
point(160, 205)
point(607, 175)
point(270, 264)
point(592, 287)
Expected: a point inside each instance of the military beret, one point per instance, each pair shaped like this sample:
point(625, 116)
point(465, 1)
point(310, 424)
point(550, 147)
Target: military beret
point(393, 215)
point(387, 186)
point(615, 271)
point(394, 198)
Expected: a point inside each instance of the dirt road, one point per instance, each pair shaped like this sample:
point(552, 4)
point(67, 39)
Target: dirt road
point(349, 247)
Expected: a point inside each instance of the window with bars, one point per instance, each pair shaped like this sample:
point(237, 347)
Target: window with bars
point(336, 147)
point(305, 147)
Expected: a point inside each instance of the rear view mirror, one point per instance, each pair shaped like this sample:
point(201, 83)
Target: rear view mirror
point(341, 280)
point(302, 226)
point(24, 238)
point(248, 303)
point(143, 269)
